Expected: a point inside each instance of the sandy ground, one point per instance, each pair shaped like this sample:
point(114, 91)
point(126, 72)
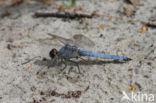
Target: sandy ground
point(104, 80)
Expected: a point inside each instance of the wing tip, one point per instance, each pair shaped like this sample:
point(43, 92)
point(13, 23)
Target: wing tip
point(49, 34)
point(128, 59)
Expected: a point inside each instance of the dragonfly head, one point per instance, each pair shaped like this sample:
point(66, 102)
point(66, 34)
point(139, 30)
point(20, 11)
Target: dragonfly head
point(53, 53)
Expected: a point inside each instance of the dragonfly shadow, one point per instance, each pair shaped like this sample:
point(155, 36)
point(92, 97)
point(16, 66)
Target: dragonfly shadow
point(99, 62)
point(46, 62)
point(50, 63)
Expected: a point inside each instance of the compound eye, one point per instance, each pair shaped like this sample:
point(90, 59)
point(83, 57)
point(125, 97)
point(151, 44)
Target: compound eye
point(53, 53)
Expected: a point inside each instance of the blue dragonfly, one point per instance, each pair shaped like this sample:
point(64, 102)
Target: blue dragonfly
point(71, 49)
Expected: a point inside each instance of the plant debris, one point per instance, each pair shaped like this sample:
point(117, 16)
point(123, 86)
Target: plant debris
point(86, 89)
point(35, 101)
point(42, 93)
point(130, 69)
point(135, 2)
point(11, 3)
point(152, 18)
point(47, 2)
point(129, 10)
point(44, 59)
point(101, 26)
point(132, 88)
point(149, 24)
point(149, 63)
point(69, 94)
point(66, 15)
point(74, 94)
point(138, 85)
point(30, 67)
point(143, 30)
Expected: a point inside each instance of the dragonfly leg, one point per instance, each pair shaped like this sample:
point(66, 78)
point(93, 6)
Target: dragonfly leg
point(64, 64)
point(83, 59)
point(77, 64)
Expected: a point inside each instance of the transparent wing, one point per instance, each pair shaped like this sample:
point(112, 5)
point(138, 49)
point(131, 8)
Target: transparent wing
point(48, 41)
point(61, 39)
point(82, 41)
point(77, 40)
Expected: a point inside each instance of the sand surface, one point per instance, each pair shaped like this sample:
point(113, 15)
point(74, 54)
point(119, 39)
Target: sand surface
point(100, 81)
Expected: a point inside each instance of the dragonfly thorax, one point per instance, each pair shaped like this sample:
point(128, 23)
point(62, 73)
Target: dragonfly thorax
point(53, 53)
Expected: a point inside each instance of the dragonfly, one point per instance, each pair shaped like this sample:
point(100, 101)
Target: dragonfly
point(72, 49)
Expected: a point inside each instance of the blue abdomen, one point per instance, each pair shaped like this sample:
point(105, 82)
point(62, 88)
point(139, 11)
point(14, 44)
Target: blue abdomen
point(84, 52)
